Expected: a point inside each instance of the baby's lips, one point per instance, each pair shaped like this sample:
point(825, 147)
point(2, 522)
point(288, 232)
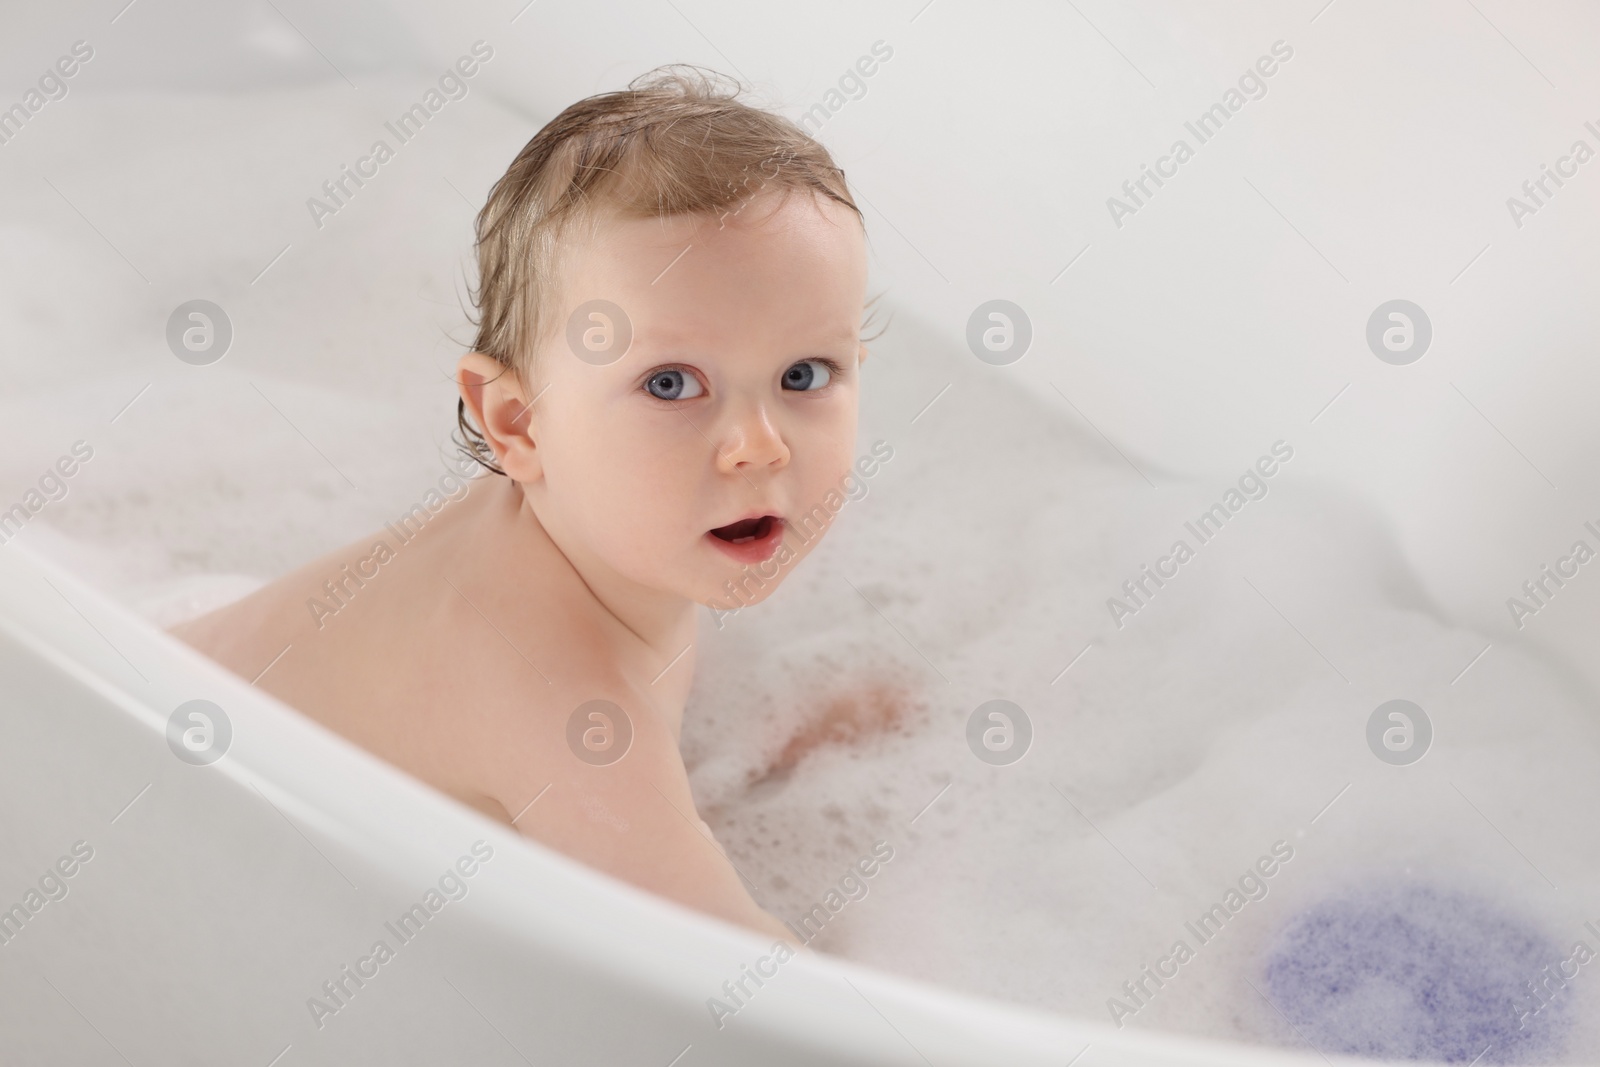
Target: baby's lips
point(747, 526)
point(749, 541)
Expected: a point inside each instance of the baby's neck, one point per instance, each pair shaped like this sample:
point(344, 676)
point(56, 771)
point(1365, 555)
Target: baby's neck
point(658, 624)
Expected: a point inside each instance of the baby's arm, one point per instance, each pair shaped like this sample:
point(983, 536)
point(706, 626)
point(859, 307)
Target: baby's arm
point(634, 819)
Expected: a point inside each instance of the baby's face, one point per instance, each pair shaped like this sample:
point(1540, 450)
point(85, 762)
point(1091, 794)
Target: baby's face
point(732, 414)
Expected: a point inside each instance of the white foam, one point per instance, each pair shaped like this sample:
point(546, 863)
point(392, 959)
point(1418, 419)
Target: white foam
point(1174, 752)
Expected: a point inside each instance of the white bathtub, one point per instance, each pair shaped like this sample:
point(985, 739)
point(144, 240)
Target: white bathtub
point(216, 900)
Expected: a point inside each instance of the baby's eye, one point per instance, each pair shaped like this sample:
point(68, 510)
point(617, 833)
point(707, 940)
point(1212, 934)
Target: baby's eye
point(808, 374)
point(673, 385)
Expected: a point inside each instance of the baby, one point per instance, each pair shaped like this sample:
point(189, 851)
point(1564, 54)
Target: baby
point(664, 381)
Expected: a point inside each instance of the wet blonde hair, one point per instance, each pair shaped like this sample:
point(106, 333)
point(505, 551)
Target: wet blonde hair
point(677, 141)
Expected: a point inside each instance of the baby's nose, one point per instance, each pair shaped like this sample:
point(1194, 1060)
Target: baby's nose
point(752, 439)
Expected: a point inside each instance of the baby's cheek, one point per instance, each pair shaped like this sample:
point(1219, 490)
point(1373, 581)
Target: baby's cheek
point(649, 498)
point(831, 483)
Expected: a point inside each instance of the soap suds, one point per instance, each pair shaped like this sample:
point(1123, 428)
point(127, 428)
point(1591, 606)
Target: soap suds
point(1416, 972)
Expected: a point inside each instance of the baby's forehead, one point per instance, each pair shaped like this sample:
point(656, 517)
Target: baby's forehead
point(644, 255)
point(692, 326)
point(703, 334)
point(785, 269)
point(767, 214)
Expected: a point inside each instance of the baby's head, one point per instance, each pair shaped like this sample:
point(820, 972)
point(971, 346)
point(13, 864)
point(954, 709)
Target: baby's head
point(671, 289)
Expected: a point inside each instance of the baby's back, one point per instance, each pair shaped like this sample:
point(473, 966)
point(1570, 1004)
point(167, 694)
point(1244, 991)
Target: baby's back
point(490, 672)
point(376, 641)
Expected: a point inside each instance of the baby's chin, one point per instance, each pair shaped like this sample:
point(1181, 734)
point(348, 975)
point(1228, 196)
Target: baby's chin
point(733, 586)
point(724, 605)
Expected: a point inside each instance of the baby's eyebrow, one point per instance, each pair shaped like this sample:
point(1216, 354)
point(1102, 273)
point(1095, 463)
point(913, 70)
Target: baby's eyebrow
point(849, 335)
point(843, 334)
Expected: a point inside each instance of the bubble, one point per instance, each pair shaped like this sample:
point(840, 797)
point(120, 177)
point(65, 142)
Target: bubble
point(1417, 972)
point(1399, 332)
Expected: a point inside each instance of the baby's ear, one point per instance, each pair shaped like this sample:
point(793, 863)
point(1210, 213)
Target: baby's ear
point(498, 404)
point(862, 358)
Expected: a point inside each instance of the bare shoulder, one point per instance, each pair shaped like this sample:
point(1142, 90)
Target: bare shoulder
point(264, 622)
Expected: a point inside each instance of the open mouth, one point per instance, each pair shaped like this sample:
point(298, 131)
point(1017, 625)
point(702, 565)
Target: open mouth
point(749, 540)
point(745, 530)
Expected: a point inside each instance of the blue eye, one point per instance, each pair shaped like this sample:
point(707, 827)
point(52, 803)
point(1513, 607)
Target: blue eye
point(673, 385)
point(808, 374)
